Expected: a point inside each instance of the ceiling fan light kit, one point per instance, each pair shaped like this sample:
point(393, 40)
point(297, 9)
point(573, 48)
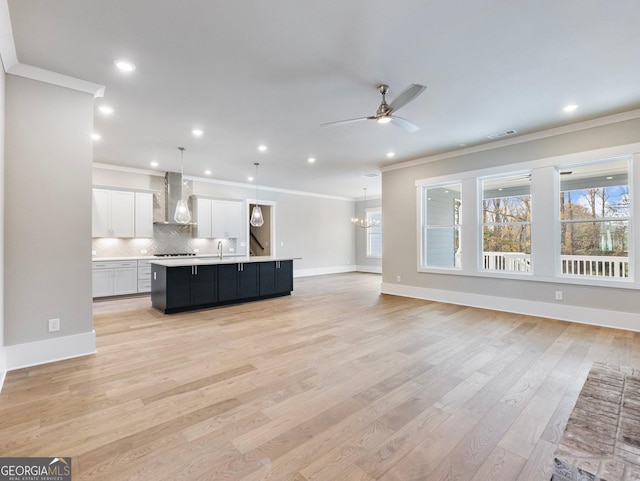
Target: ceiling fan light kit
point(385, 112)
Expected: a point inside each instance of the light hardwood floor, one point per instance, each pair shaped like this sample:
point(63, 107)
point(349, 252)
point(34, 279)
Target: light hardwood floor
point(336, 382)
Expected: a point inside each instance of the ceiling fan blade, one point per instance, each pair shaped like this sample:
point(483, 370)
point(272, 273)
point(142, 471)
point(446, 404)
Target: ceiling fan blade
point(339, 122)
point(404, 124)
point(410, 93)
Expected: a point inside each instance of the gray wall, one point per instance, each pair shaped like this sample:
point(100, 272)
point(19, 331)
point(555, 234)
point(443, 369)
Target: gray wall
point(315, 228)
point(369, 264)
point(400, 221)
point(3, 363)
point(48, 210)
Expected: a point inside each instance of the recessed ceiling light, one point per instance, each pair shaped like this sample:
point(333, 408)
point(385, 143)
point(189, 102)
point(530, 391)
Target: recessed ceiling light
point(570, 108)
point(311, 160)
point(105, 109)
point(207, 172)
point(390, 154)
point(462, 145)
point(250, 179)
point(125, 65)
point(262, 148)
point(609, 178)
point(197, 132)
point(153, 163)
point(96, 136)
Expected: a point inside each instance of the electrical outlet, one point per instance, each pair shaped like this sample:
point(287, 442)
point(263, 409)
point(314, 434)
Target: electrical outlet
point(143, 251)
point(398, 279)
point(54, 325)
point(558, 295)
point(281, 244)
point(196, 251)
point(94, 252)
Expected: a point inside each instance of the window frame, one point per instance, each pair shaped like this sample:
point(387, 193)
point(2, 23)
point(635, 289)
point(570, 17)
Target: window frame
point(368, 212)
point(482, 224)
point(545, 218)
point(631, 255)
point(423, 227)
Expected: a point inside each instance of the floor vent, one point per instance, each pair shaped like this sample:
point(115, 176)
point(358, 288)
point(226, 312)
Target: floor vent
point(499, 135)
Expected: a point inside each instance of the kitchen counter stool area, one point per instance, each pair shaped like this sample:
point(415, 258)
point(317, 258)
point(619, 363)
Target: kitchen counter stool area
point(200, 285)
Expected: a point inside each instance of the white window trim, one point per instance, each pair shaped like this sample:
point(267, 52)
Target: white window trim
point(544, 269)
point(422, 267)
point(480, 226)
point(371, 210)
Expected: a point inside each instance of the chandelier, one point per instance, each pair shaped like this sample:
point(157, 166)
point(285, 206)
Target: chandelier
point(364, 222)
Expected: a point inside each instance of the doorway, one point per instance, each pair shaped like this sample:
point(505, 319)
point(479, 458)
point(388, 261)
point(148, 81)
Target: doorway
point(260, 237)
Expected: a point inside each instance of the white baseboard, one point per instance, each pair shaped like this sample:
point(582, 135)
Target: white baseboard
point(322, 271)
point(371, 269)
point(3, 366)
point(596, 317)
point(50, 350)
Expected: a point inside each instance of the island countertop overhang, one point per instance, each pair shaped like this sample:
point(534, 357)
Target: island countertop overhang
point(204, 261)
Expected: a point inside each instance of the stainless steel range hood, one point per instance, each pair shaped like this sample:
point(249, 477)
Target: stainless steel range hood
point(173, 192)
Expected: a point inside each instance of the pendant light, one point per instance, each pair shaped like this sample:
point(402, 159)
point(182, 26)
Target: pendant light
point(365, 223)
point(182, 215)
point(256, 214)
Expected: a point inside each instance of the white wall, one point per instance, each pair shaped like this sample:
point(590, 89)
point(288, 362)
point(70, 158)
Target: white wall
point(611, 306)
point(48, 158)
point(3, 363)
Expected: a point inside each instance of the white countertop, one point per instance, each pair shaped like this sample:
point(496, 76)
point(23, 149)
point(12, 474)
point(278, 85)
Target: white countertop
point(203, 261)
point(145, 258)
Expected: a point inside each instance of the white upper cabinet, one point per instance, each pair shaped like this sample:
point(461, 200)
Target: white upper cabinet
point(219, 219)
point(234, 220)
point(101, 213)
point(202, 215)
point(144, 214)
point(121, 213)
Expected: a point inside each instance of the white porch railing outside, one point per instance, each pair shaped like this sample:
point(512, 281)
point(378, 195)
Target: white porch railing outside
point(601, 266)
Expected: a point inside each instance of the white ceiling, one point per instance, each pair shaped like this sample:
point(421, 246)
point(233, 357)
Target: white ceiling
point(252, 72)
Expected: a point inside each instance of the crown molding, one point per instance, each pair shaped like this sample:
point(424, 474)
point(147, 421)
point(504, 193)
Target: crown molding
point(7, 45)
point(565, 129)
point(53, 78)
point(209, 180)
point(12, 66)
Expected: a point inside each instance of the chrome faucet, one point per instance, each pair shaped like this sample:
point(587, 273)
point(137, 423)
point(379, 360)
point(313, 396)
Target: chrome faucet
point(220, 249)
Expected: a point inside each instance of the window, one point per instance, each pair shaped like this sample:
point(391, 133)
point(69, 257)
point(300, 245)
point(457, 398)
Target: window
point(441, 222)
point(374, 233)
point(594, 219)
point(506, 223)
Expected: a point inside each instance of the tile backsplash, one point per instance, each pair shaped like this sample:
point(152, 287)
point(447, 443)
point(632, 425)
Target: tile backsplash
point(167, 239)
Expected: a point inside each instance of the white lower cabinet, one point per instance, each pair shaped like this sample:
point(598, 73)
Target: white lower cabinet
point(144, 276)
point(114, 278)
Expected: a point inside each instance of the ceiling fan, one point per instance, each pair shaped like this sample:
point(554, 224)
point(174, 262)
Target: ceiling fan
point(385, 112)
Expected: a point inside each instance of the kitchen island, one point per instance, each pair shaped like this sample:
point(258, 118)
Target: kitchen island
point(186, 284)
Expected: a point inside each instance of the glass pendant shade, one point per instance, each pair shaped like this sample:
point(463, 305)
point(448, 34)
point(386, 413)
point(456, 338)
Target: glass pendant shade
point(182, 215)
point(256, 216)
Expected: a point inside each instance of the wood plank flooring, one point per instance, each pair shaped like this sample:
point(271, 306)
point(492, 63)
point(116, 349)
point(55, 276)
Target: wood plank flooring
point(336, 382)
